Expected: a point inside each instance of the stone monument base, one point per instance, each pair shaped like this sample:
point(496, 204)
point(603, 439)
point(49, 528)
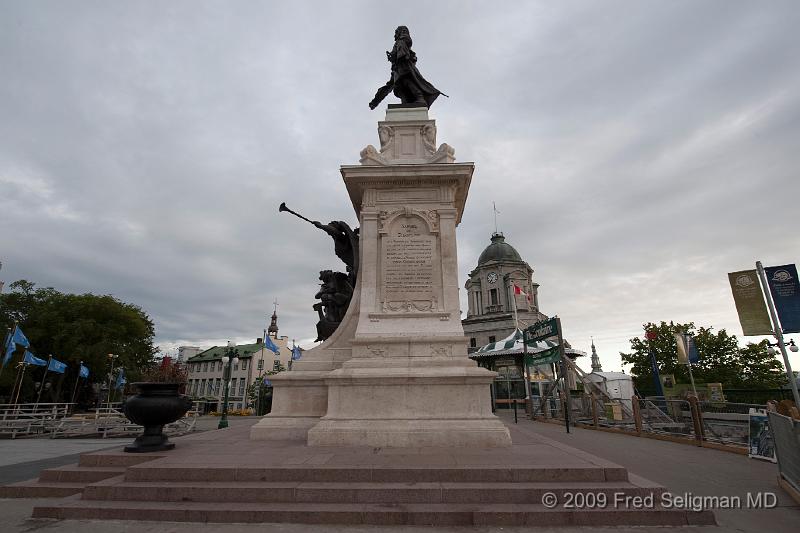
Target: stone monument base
point(480, 433)
point(303, 400)
point(409, 402)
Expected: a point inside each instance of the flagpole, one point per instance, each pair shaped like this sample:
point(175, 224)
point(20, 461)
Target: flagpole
point(110, 378)
point(41, 386)
point(564, 375)
point(111, 391)
point(5, 345)
point(688, 362)
point(513, 301)
point(17, 379)
point(691, 378)
point(19, 388)
point(778, 331)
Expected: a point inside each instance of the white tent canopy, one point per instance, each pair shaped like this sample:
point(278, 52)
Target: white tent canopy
point(512, 345)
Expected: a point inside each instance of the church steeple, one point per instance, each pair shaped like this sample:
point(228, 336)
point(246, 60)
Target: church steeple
point(595, 360)
point(272, 330)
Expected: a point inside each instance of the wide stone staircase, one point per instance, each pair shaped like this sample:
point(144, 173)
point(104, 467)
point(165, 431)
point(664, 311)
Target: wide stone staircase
point(220, 476)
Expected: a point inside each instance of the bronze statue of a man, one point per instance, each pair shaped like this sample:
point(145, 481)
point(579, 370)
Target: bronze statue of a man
point(406, 81)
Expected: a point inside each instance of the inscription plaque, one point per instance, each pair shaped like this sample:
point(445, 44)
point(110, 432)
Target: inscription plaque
point(408, 266)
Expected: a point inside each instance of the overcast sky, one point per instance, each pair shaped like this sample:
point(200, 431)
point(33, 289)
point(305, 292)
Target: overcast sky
point(637, 150)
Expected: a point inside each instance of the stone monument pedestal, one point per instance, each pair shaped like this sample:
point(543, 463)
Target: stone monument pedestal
point(402, 377)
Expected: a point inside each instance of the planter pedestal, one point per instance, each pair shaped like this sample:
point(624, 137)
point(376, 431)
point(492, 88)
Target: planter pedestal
point(156, 405)
point(152, 440)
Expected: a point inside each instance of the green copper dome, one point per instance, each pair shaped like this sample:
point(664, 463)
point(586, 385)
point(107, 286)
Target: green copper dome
point(499, 250)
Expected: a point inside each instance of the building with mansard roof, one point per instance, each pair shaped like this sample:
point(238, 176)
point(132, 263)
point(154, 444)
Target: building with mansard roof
point(206, 369)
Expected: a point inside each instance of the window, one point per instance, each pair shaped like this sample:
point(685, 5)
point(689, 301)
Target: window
point(205, 366)
point(241, 386)
point(473, 343)
point(491, 338)
point(202, 387)
point(260, 365)
point(276, 365)
point(493, 296)
point(236, 366)
point(216, 386)
point(244, 364)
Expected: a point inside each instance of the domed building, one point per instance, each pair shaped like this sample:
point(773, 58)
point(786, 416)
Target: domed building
point(501, 293)
point(503, 300)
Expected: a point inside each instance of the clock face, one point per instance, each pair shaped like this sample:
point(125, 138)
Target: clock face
point(492, 277)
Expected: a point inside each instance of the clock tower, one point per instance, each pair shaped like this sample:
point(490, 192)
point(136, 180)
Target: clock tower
point(499, 290)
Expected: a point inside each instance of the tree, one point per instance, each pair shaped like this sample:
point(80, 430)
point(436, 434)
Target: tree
point(74, 328)
point(721, 359)
point(260, 395)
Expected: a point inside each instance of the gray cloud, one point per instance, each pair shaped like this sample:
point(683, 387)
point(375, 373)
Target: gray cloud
point(637, 151)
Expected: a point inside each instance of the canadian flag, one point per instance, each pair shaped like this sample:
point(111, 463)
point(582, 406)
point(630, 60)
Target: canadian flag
point(517, 290)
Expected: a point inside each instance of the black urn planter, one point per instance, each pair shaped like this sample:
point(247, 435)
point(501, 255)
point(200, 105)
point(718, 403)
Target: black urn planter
point(156, 405)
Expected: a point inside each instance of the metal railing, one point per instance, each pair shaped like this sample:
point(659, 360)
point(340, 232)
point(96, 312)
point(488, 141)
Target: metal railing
point(30, 418)
point(58, 421)
point(719, 422)
point(785, 432)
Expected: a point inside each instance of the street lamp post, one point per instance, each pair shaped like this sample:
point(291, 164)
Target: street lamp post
point(230, 358)
point(111, 357)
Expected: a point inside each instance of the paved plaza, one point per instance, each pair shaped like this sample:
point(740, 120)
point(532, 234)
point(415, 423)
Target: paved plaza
point(681, 468)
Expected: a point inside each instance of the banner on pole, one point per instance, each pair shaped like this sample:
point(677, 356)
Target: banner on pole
point(84, 371)
point(691, 348)
point(542, 330)
point(553, 355)
point(750, 303)
point(656, 376)
point(785, 290)
point(683, 353)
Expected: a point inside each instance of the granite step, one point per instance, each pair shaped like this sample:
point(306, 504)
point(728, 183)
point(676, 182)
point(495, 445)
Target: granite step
point(116, 459)
point(357, 492)
point(34, 488)
point(154, 472)
point(419, 514)
point(76, 473)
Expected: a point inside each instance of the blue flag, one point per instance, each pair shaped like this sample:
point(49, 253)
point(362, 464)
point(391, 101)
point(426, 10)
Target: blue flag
point(84, 372)
point(16, 337)
point(296, 353)
point(269, 345)
point(20, 338)
point(656, 375)
point(785, 290)
point(30, 359)
point(10, 348)
point(56, 366)
point(121, 381)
